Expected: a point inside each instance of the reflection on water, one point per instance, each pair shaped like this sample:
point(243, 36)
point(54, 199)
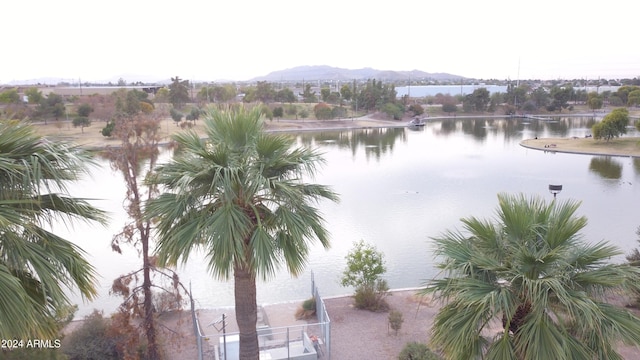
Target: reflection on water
point(375, 141)
point(606, 166)
point(398, 189)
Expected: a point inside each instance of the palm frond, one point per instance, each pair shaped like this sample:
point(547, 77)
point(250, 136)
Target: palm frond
point(34, 175)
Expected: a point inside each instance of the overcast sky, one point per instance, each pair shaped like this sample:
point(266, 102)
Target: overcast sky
point(239, 40)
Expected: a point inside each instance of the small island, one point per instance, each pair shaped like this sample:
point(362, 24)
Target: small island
point(624, 146)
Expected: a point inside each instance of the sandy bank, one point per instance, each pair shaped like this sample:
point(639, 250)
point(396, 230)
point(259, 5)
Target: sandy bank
point(626, 146)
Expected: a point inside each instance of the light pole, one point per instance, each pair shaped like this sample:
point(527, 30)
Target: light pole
point(555, 189)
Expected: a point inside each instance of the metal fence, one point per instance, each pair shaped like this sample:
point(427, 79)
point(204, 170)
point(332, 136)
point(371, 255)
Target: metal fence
point(323, 316)
point(307, 341)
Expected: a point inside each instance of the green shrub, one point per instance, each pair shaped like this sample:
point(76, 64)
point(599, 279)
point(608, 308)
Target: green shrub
point(107, 131)
point(309, 304)
point(365, 266)
point(308, 309)
point(395, 320)
point(417, 351)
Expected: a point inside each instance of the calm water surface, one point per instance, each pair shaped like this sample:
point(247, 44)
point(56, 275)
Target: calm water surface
point(398, 189)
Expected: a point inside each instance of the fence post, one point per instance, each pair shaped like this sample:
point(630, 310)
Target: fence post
point(196, 325)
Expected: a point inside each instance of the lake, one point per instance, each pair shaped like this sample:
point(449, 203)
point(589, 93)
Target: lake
point(398, 189)
point(453, 90)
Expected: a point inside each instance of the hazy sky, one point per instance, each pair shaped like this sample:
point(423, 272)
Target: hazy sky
point(238, 40)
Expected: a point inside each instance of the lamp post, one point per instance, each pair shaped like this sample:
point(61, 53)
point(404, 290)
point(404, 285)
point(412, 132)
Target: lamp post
point(555, 189)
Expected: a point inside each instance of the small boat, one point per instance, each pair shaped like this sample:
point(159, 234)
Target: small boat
point(417, 122)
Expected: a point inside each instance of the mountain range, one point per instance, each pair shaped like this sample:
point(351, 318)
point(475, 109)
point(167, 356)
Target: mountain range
point(324, 72)
point(299, 73)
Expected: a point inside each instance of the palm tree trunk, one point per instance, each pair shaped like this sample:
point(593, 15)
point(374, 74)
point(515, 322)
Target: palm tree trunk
point(246, 312)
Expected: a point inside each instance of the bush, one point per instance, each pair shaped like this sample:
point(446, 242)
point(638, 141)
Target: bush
point(395, 320)
point(107, 131)
point(416, 109)
point(338, 112)
point(307, 310)
point(393, 110)
point(90, 341)
point(323, 111)
point(81, 121)
point(365, 265)
point(417, 351)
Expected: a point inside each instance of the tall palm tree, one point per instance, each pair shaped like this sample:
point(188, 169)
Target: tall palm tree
point(36, 265)
point(240, 195)
point(531, 270)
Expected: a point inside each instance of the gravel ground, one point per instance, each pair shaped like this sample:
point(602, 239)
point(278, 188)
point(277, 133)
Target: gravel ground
point(362, 334)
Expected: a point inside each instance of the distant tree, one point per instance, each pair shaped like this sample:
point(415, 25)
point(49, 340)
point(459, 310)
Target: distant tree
point(633, 99)
point(9, 96)
point(392, 110)
point(594, 101)
point(615, 100)
point(292, 110)
point(416, 109)
point(334, 98)
point(193, 115)
point(34, 96)
point(178, 92)
point(309, 96)
point(495, 100)
point(449, 107)
point(52, 106)
point(623, 92)
point(162, 95)
point(324, 94)
point(612, 125)
point(146, 107)
point(560, 97)
point(278, 112)
point(285, 96)
point(107, 131)
point(205, 94)
point(365, 266)
point(479, 99)
point(338, 112)
point(345, 92)
point(175, 115)
point(529, 106)
point(264, 92)
point(82, 122)
point(304, 113)
point(129, 102)
point(226, 93)
point(322, 111)
point(267, 112)
point(540, 97)
point(84, 110)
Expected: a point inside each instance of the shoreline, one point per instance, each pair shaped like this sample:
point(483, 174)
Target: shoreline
point(619, 147)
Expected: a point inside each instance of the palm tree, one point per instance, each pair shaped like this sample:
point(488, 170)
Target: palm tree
point(239, 195)
point(532, 270)
point(36, 265)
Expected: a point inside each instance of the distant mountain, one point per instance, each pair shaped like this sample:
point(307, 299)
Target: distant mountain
point(323, 72)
